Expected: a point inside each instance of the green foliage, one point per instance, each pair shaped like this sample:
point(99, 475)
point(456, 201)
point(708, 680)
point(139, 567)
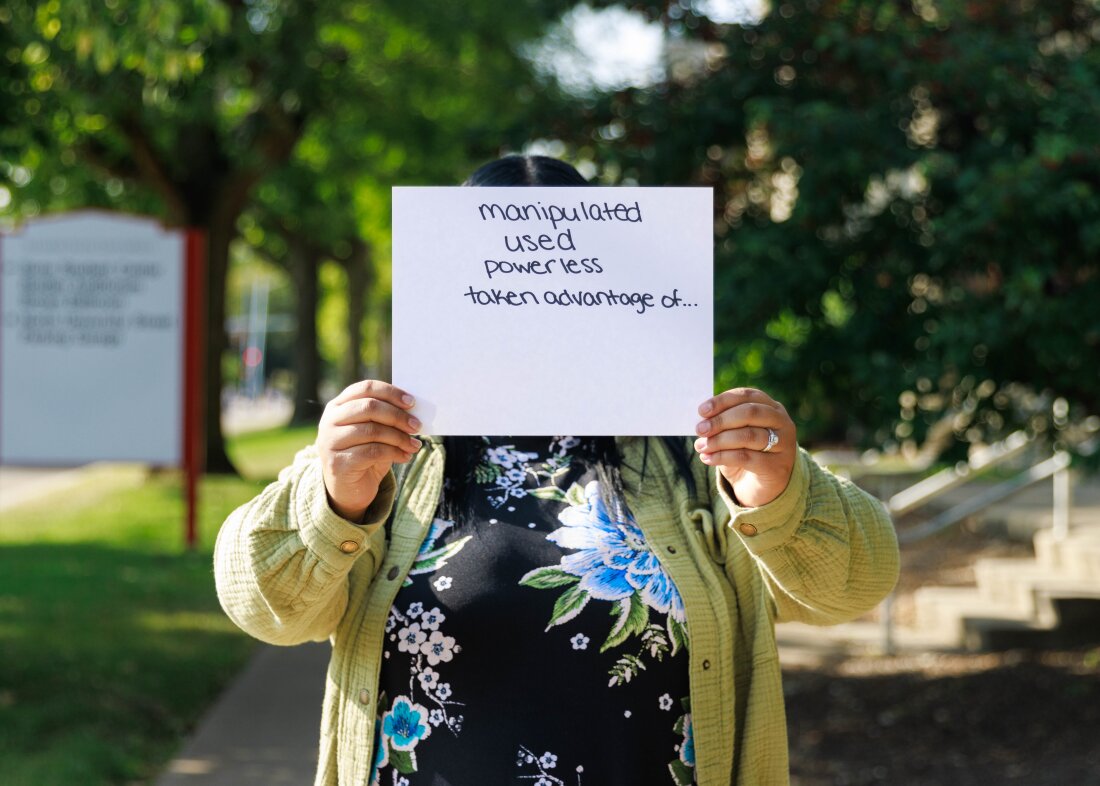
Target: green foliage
point(907, 198)
point(284, 122)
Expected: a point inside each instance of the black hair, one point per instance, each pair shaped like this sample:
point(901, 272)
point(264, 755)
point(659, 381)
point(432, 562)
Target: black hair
point(526, 171)
point(464, 453)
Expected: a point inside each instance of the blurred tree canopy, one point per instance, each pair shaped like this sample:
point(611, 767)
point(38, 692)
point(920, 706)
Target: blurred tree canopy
point(184, 109)
point(907, 202)
point(907, 213)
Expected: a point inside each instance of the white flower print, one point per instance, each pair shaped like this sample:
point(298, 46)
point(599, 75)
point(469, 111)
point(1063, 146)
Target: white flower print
point(431, 620)
point(429, 678)
point(565, 443)
point(536, 769)
point(428, 704)
point(411, 638)
point(580, 641)
point(391, 622)
point(508, 457)
point(438, 648)
point(442, 583)
point(665, 702)
point(402, 781)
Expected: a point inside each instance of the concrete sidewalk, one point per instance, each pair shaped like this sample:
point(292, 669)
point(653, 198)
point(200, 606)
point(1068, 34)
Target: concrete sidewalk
point(264, 729)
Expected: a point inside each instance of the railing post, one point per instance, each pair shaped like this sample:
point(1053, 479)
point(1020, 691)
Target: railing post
point(1063, 502)
point(888, 624)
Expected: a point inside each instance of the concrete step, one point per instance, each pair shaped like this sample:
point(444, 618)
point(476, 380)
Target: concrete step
point(1011, 581)
point(811, 645)
point(961, 614)
point(1077, 555)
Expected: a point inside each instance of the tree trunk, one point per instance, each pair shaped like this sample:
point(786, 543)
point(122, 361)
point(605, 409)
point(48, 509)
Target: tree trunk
point(357, 266)
point(304, 263)
point(220, 232)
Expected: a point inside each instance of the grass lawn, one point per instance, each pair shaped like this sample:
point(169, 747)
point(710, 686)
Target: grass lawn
point(112, 642)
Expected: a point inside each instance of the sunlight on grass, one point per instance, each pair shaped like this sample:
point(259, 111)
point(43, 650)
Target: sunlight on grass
point(261, 454)
point(183, 621)
point(111, 635)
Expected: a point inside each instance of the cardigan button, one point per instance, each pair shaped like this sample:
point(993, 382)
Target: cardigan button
point(364, 696)
point(748, 530)
point(393, 573)
point(671, 549)
point(349, 547)
point(706, 665)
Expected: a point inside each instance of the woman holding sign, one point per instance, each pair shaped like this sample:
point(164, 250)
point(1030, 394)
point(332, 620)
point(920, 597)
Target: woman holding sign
point(552, 610)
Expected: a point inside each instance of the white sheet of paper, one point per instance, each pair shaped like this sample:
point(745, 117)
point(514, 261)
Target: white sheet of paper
point(489, 349)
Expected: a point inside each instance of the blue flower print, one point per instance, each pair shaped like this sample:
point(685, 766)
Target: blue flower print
point(614, 561)
point(405, 724)
point(381, 754)
point(682, 768)
point(429, 558)
point(687, 747)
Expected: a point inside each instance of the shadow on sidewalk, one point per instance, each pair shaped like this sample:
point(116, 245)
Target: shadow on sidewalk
point(264, 728)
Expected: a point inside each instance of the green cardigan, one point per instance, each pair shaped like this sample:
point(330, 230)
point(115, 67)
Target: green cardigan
point(290, 570)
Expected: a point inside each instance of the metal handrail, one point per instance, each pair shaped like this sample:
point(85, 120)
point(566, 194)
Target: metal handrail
point(1001, 491)
point(924, 491)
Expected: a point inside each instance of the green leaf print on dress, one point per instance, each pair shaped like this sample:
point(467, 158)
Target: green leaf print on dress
point(612, 561)
point(683, 766)
point(505, 471)
point(429, 558)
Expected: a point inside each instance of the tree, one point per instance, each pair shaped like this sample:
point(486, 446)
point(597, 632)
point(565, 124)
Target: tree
point(920, 183)
point(186, 107)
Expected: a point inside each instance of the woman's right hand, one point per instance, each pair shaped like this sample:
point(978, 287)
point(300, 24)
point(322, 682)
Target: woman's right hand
point(362, 432)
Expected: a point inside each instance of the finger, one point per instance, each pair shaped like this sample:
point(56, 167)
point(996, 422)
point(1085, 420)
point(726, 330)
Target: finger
point(742, 415)
point(373, 388)
point(748, 437)
point(735, 396)
point(357, 434)
point(740, 458)
point(374, 453)
point(373, 410)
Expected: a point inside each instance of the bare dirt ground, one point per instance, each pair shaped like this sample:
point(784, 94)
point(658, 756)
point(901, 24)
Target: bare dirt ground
point(1017, 717)
point(948, 720)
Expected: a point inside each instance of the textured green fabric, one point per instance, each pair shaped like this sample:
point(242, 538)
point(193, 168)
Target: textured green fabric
point(823, 552)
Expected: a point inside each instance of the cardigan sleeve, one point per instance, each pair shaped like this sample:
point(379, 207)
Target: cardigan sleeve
point(826, 549)
point(281, 561)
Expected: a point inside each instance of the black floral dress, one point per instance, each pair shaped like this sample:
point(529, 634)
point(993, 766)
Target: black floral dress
point(541, 644)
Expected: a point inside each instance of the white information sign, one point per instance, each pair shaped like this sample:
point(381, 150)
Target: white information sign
point(554, 310)
point(91, 341)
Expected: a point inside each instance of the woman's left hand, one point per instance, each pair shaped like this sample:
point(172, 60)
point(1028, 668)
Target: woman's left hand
point(735, 436)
